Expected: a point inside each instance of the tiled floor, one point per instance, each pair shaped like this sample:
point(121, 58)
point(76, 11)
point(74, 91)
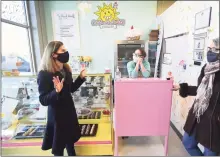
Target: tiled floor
point(151, 146)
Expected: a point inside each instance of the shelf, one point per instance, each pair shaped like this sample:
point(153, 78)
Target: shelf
point(103, 136)
point(102, 141)
point(103, 119)
point(152, 42)
point(101, 144)
point(125, 61)
point(150, 50)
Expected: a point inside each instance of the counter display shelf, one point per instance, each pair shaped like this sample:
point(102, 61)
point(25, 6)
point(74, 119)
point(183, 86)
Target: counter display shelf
point(24, 128)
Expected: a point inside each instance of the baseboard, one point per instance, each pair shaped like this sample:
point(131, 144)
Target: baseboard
point(176, 130)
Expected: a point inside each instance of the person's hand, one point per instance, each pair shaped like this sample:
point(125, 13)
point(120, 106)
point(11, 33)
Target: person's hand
point(58, 85)
point(176, 87)
point(83, 73)
point(140, 60)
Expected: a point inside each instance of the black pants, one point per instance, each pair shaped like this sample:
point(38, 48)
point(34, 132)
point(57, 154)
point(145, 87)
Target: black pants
point(70, 151)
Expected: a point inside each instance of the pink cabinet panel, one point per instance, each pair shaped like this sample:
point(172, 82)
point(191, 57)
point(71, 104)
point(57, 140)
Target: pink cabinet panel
point(142, 107)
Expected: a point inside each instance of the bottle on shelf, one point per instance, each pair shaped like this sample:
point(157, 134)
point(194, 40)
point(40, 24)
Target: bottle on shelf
point(117, 73)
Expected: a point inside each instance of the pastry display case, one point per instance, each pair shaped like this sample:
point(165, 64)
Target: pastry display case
point(24, 118)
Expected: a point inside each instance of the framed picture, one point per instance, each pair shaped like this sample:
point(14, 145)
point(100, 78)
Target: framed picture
point(167, 58)
point(199, 43)
point(203, 18)
point(198, 55)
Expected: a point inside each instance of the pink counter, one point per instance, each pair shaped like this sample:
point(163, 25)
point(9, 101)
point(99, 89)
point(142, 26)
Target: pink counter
point(142, 108)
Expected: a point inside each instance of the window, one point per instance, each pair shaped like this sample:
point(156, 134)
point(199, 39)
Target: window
point(16, 42)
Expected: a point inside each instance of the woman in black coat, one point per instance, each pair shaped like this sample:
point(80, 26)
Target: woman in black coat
point(203, 121)
point(55, 85)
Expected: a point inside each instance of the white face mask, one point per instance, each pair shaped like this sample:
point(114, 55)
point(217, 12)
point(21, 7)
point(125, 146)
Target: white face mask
point(135, 59)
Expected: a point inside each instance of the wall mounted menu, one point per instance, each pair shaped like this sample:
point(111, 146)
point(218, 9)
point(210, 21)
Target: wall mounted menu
point(66, 28)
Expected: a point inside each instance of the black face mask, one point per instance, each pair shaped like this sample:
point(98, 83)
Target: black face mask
point(212, 56)
point(63, 57)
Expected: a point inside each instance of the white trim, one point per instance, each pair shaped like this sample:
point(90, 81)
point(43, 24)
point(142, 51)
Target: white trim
point(33, 61)
point(14, 23)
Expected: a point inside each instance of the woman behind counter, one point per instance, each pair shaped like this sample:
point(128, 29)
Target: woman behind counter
point(55, 85)
point(203, 121)
point(139, 67)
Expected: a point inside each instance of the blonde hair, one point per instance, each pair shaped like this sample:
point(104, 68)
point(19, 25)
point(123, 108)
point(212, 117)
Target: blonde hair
point(47, 62)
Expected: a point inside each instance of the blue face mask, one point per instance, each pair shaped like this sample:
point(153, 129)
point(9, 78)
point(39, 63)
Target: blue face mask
point(212, 56)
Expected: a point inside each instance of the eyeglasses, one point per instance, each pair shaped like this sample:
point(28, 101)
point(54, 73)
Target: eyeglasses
point(213, 49)
point(136, 55)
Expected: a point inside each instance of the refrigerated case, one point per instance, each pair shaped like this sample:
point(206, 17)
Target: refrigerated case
point(124, 53)
point(24, 119)
point(152, 55)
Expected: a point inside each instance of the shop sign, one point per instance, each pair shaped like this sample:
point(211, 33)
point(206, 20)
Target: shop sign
point(108, 16)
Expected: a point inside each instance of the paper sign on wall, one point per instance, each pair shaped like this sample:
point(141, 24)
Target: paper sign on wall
point(66, 28)
point(108, 16)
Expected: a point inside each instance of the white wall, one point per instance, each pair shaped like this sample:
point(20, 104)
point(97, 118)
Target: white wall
point(180, 17)
point(100, 43)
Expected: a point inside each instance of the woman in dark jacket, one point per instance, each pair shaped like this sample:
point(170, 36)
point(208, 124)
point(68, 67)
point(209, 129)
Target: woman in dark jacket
point(203, 121)
point(55, 85)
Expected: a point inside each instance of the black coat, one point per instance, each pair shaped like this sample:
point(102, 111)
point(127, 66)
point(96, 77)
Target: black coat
point(62, 124)
point(207, 131)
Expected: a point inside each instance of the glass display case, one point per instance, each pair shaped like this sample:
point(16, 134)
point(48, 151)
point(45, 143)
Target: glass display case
point(21, 106)
point(152, 55)
point(24, 118)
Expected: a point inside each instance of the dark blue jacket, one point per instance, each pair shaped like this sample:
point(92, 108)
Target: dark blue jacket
point(62, 124)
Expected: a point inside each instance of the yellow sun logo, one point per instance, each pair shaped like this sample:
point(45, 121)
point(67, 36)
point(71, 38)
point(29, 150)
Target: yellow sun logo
point(107, 13)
